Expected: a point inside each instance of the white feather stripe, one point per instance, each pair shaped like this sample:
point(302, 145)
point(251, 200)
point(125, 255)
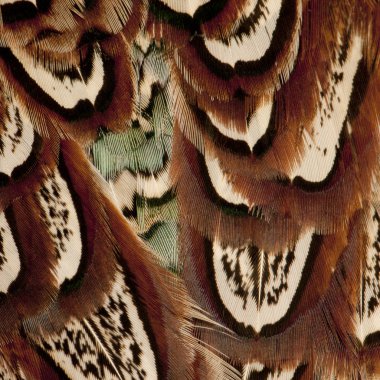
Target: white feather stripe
point(145, 89)
point(258, 290)
point(221, 183)
point(10, 264)
point(185, 6)
point(154, 185)
point(66, 92)
point(3, 2)
point(143, 42)
point(60, 217)
point(277, 374)
point(256, 128)
point(149, 186)
point(323, 143)
point(9, 373)
point(16, 139)
point(249, 8)
point(249, 47)
point(368, 316)
point(124, 188)
point(150, 70)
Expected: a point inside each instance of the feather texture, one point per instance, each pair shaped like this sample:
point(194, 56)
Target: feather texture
point(189, 189)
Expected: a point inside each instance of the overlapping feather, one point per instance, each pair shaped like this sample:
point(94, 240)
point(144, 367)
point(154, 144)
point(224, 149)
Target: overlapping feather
point(240, 140)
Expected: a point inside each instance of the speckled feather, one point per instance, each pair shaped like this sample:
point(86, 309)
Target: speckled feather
point(189, 189)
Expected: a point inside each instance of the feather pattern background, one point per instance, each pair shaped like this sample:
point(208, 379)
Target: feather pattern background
point(189, 189)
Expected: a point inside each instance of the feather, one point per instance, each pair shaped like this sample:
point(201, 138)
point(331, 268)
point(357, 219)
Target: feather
point(189, 189)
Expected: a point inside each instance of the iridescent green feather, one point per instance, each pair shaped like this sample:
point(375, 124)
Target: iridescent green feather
point(143, 152)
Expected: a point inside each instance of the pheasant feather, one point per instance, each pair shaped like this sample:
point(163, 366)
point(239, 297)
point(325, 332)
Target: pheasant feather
point(189, 189)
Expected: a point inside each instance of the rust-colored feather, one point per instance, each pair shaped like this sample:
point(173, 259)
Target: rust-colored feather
point(235, 233)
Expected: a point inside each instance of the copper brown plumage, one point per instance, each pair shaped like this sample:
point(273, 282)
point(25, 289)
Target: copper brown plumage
point(240, 139)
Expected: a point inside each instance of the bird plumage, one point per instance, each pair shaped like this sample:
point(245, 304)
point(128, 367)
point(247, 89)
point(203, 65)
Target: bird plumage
point(189, 189)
